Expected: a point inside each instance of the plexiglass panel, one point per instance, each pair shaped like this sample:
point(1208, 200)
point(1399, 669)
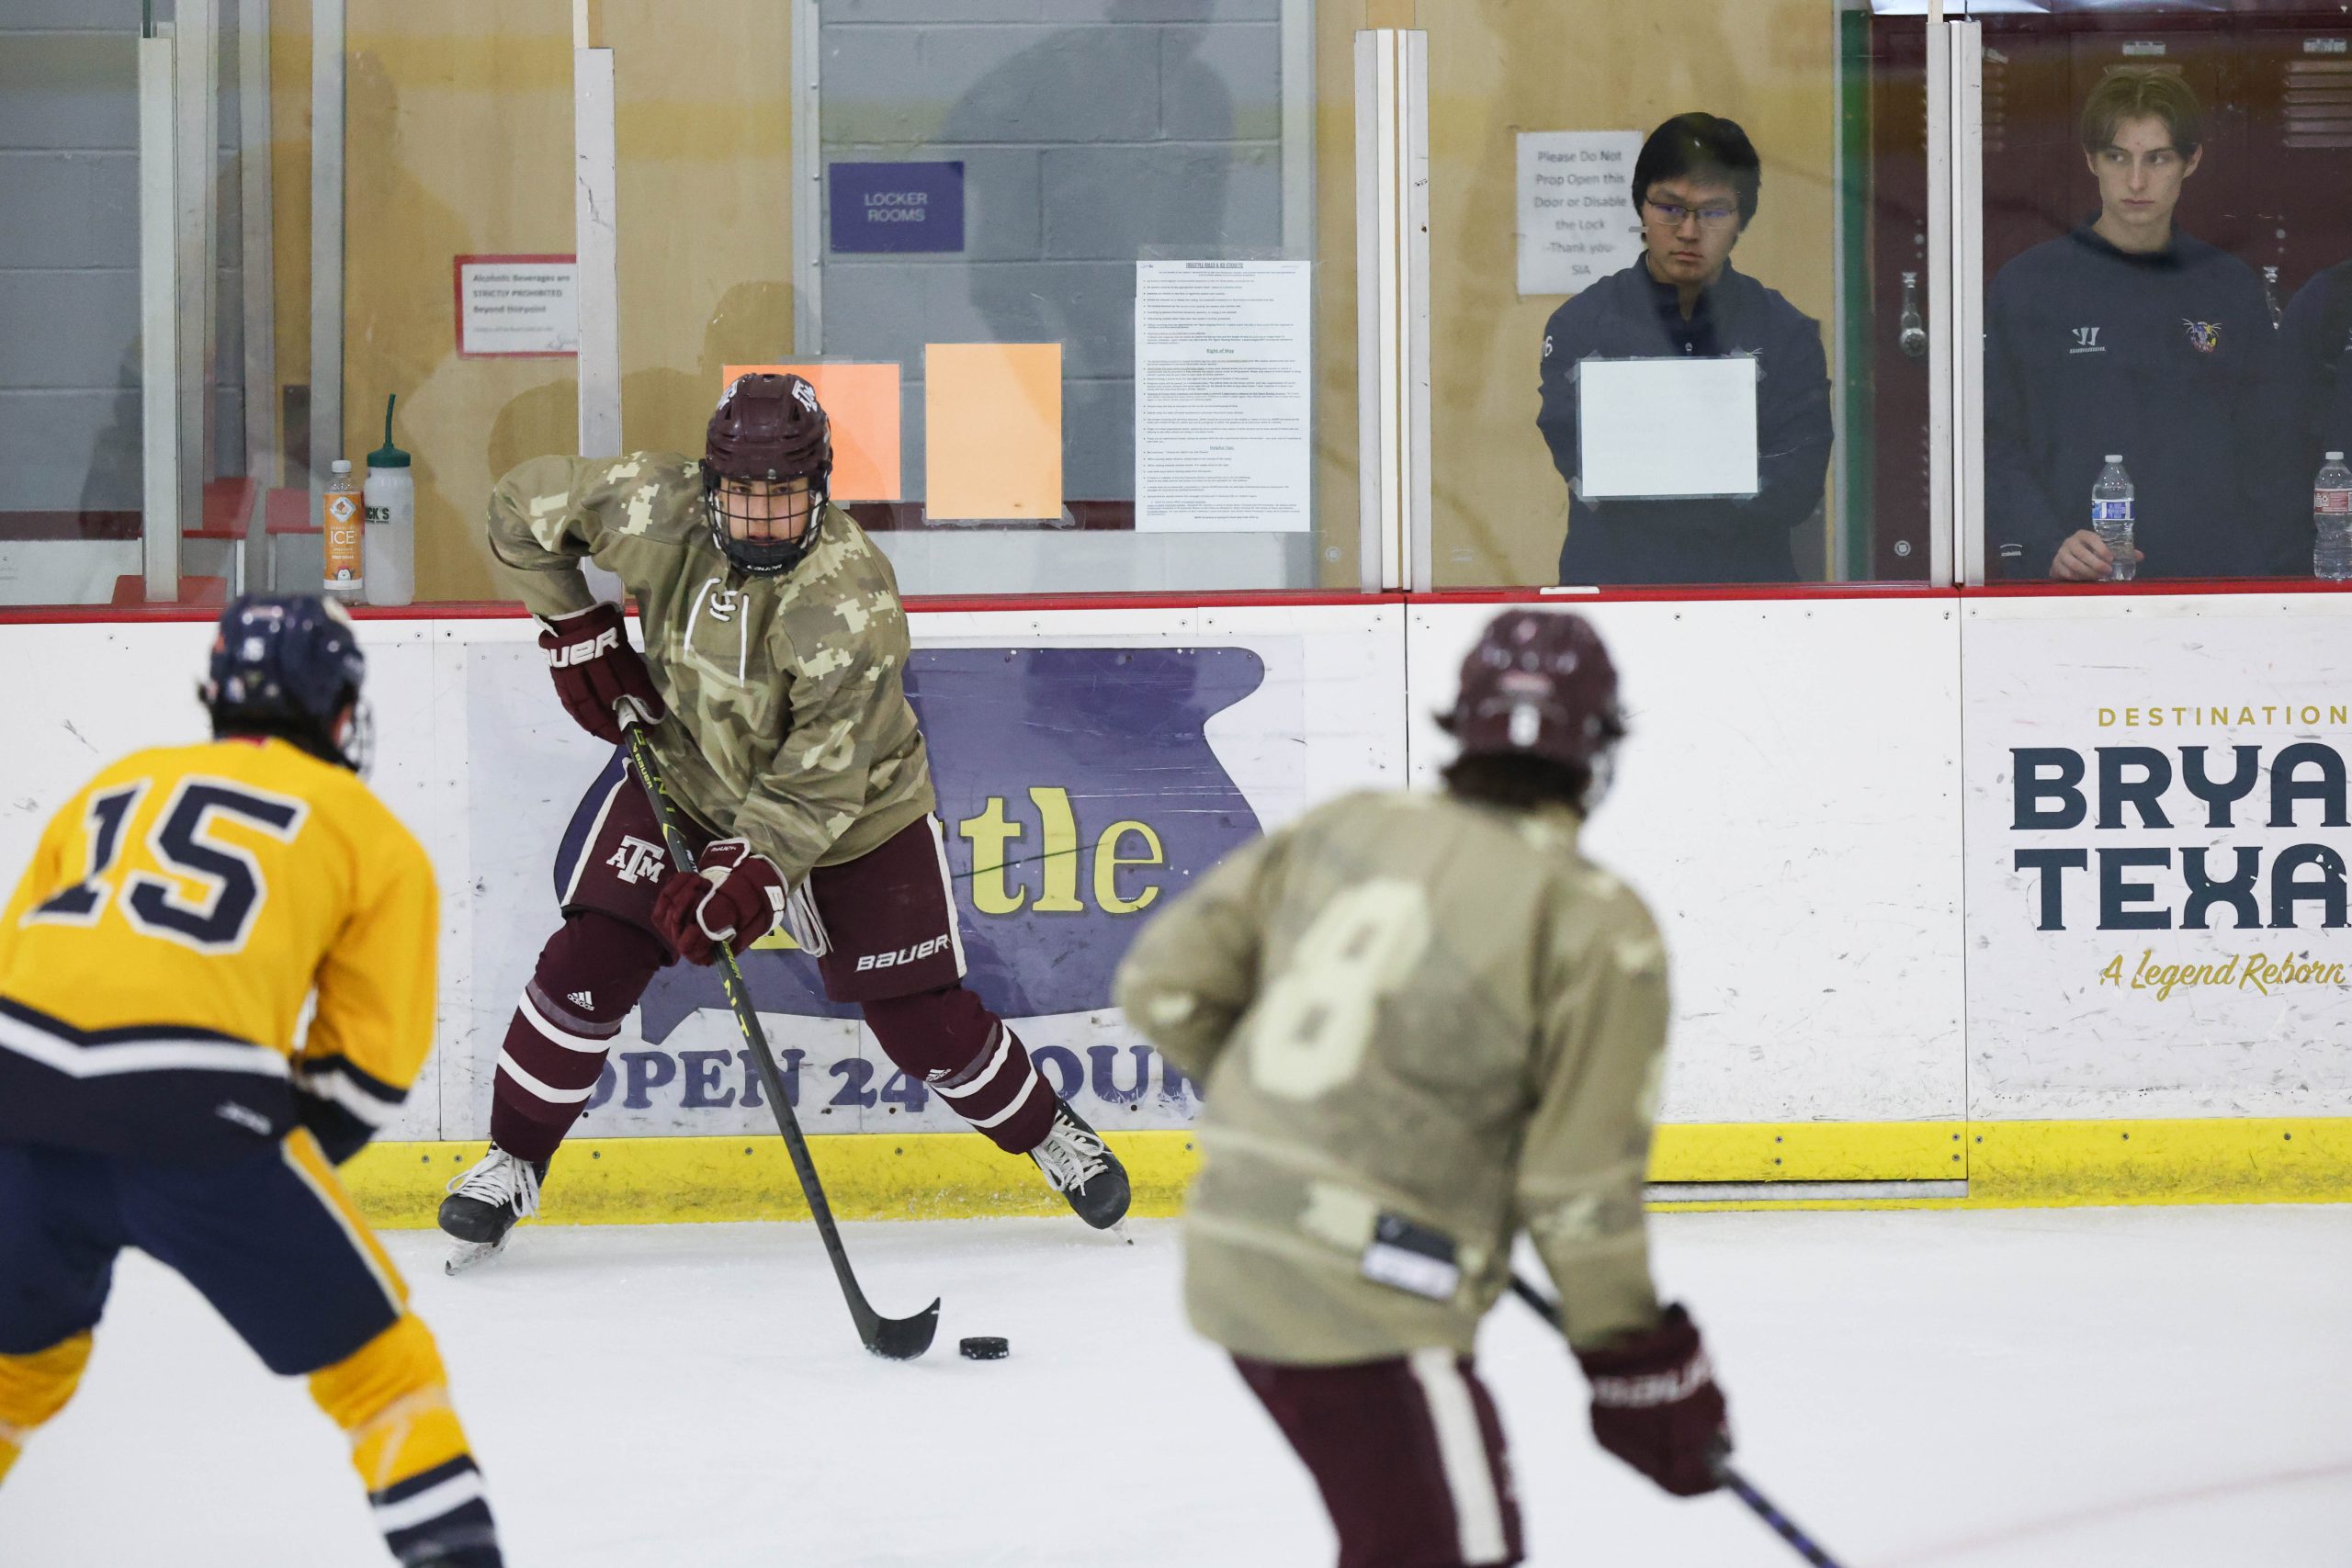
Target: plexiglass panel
point(1680, 273)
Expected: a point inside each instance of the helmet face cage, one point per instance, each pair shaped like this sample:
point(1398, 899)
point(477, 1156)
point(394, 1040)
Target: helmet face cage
point(726, 508)
point(770, 429)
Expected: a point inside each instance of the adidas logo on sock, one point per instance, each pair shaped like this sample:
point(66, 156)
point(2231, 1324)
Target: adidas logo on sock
point(585, 999)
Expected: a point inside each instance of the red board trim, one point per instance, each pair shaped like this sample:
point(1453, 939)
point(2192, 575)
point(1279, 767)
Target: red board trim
point(493, 610)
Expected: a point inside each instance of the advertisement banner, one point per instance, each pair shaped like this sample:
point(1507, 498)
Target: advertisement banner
point(1079, 786)
point(2156, 839)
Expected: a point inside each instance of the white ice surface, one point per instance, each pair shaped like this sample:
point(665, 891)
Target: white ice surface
point(2001, 1390)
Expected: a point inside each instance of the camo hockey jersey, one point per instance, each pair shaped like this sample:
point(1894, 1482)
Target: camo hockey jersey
point(790, 725)
point(1421, 1026)
point(156, 956)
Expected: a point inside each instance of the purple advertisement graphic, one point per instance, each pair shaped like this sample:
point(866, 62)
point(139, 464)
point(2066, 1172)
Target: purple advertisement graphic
point(1078, 790)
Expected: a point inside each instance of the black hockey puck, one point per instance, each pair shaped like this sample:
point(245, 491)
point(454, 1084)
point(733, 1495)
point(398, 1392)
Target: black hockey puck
point(983, 1347)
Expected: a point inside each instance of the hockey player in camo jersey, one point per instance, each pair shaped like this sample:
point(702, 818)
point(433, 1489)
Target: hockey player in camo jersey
point(776, 646)
point(1424, 1023)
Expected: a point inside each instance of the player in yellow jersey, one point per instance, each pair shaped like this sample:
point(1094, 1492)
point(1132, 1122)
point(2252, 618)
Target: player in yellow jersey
point(157, 1090)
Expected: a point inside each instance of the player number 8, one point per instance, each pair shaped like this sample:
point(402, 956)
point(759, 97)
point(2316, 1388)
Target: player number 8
point(1315, 1019)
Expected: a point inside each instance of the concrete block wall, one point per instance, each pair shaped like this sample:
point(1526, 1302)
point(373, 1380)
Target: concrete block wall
point(70, 425)
point(1093, 133)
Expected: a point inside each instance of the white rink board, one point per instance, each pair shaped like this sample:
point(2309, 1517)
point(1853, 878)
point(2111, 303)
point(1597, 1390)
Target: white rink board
point(1786, 805)
point(1792, 804)
point(1331, 674)
point(2048, 1037)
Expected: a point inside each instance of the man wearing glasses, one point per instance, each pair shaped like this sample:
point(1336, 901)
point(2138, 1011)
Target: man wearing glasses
point(1695, 185)
point(2128, 336)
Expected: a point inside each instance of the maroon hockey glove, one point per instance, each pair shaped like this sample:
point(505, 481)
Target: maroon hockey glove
point(1656, 1405)
point(736, 898)
point(594, 667)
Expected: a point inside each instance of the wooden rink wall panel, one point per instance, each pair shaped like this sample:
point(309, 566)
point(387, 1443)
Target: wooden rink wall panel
point(704, 127)
point(1339, 537)
point(459, 136)
point(1498, 67)
point(458, 143)
point(289, 212)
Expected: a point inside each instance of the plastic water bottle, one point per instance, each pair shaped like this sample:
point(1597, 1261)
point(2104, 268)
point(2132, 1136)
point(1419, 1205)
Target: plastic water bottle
point(340, 518)
point(388, 553)
point(2332, 521)
point(2111, 516)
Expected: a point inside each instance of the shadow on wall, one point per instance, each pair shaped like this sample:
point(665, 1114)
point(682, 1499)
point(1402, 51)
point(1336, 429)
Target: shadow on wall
point(116, 479)
point(1117, 181)
point(400, 337)
point(750, 326)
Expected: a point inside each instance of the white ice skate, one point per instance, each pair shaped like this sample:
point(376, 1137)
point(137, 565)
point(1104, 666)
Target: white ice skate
point(484, 1204)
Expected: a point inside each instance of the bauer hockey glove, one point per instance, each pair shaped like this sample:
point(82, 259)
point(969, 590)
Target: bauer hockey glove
point(594, 667)
point(736, 898)
point(1656, 1405)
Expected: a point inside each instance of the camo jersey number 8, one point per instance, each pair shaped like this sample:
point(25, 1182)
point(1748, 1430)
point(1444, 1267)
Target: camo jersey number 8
point(1315, 1019)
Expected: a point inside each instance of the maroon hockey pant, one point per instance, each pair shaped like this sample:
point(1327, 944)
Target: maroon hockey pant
point(894, 950)
point(1409, 1455)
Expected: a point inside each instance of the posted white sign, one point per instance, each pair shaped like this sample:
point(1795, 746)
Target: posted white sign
point(1577, 223)
point(1224, 395)
point(517, 305)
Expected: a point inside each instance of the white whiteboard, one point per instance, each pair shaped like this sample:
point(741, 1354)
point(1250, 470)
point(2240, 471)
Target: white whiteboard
point(1670, 427)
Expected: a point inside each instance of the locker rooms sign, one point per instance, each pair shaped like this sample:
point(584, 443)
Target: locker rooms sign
point(896, 208)
point(1577, 223)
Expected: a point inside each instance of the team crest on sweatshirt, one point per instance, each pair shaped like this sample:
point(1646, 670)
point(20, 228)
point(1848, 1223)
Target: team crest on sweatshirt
point(2203, 336)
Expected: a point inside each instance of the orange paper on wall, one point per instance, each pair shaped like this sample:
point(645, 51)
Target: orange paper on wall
point(862, 400)
point(992, 430)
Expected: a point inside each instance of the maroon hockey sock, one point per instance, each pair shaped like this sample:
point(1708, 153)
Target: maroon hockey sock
point(964, 1054)
point(589, 973)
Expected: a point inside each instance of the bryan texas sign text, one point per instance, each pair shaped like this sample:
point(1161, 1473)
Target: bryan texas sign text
point(2232, 837)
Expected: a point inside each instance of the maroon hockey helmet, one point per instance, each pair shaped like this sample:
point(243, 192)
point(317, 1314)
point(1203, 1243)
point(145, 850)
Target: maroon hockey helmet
point(1539, 684)
point(771, 428)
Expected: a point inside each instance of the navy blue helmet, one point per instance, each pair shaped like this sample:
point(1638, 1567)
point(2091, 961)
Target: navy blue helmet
point(288, 665)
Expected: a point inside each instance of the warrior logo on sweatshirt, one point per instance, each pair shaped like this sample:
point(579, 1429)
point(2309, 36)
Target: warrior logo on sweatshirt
point(2203, 336)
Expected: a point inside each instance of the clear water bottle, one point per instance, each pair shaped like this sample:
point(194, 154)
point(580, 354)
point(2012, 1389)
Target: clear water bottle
point(2332, 521)
point(2111, 516)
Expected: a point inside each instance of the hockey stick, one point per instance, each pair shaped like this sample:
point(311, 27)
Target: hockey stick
point(899, 1338)
point(1781, 1523)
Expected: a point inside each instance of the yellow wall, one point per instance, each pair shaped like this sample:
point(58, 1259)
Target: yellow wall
point(1338, 521)
point(289, 204)
point(1498, 67)
point(459, 142)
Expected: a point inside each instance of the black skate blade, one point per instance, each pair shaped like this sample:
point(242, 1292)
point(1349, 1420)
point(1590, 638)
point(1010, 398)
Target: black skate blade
point(896, 1339)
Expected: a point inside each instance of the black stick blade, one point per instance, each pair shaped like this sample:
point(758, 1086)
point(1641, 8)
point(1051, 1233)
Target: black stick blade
point(899, 1338)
